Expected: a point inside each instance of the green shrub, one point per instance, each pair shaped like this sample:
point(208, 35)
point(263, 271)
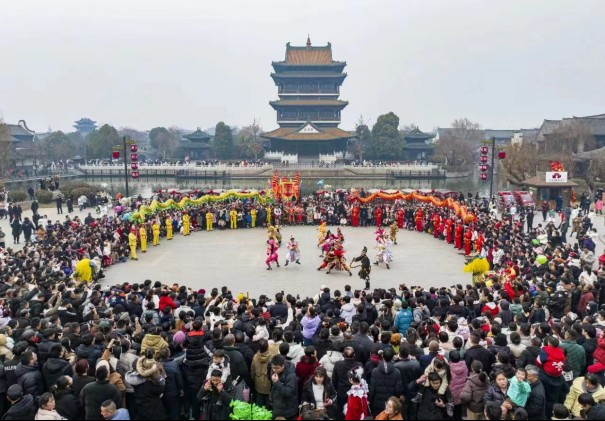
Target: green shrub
point(17, 196)
point(44, 196)
point(68, 189)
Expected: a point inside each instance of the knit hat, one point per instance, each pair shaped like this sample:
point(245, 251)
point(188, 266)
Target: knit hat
point(14, 392)
point(179, 338)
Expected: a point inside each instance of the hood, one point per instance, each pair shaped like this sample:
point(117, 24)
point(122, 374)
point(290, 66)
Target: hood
point(334, 356)
point(55, 365)
point(475, 378)
point(264, 357)
point(152, 340)
point(375, 359)
point(134, 379)
point(308, 360)
point(24, 405)
point(2, 340)
point(504, 305)
point(85, 351)
point(387, 368)
point(23, 369)
point(458, 368)
point(348, 307)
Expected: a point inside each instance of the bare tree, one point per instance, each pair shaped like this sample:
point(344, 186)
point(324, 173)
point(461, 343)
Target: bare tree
point(5, 148)
point(249, 140)
point(520, 161)
point(456, 147)
point(572, 136)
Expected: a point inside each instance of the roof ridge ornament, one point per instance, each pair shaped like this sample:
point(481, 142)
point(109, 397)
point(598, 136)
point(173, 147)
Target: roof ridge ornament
point(308, 41)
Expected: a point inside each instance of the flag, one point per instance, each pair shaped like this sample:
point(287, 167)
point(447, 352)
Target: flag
point(320, 182)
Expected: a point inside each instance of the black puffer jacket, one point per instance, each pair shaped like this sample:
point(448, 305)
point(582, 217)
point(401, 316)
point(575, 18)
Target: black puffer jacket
point(174, 379)
point(284, 395)
point(536, 402)
point(410, 372)
point(68, 406)
point(197, 359)
point(90, 353)
point(385, 382)
point(149, 403)
point(238, 365)
point(25, 409)
point(55, 368)
point(329, 393)
point(340, 379)
point(30, 379)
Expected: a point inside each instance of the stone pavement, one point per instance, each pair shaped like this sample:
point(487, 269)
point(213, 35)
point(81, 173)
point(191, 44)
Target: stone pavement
point(235, 258)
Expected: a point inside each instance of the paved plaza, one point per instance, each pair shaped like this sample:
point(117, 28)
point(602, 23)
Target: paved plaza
point(235, 258)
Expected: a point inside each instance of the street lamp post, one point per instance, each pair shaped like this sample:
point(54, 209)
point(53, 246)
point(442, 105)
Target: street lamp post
point(126, 174)
point(491, 170)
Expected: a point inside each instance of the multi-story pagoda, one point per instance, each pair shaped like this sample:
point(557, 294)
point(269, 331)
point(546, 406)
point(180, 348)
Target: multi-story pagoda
point(308, 109)
point(85, 125)
point(196, 145)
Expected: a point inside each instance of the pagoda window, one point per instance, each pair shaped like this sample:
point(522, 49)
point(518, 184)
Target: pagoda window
point(327, 114)
point(290, 115)
point(291, 87)
point(326, 87)
point(308, 88)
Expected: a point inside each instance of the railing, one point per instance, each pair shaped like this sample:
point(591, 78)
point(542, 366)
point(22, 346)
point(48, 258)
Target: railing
point(175, 167)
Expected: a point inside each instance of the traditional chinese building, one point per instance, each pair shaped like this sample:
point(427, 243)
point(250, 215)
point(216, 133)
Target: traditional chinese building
point(418, 146)
point(196, 145)
point(85, 125)
point(308, 110)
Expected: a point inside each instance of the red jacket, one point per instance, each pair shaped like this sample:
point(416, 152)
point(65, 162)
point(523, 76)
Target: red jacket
point(166, 301)
point(552, 360)
point(599, 353)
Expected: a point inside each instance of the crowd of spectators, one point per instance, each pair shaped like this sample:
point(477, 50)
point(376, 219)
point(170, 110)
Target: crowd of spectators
point(525, 342)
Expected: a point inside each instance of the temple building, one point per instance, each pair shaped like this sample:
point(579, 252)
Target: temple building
point(418, 146)
point(195, 145)
point(85, 125)
point(308, 109)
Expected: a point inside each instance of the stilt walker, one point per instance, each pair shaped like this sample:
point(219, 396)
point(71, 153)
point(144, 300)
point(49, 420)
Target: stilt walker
point(143, 237)
point(293, 252)
point(364, 265)
point(155, 229)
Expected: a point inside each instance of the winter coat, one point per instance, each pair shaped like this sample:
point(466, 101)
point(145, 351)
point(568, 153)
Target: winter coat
point(577, 388)
point(551, 359)
point(296, 353)
point(322, 346)
point(24, 409)
point(427, 410)
point(536, 402)
point(410, 372)
point(305, 370)
point(147, 396)
point(329, 393)
point(310, 326)
point(53, 369)
point(328, 361)
point(385, 382)
point(4, 351)
point(30, 379)
point(472, 393)
point(494, 394)
point(68, 405)
point(477, 352)
point(347, 312)
point(89, 352)
point(403, 320)
point(459, 373)
point(575, 357)
point(284, 395)
point(80, 382)
point(44, 414)
point(197, 359)
point(215, 405)
point(258, 373)
point(94, 394)
point(596, 412)
point(340, 378)
point(153, 341)
point(238, 365)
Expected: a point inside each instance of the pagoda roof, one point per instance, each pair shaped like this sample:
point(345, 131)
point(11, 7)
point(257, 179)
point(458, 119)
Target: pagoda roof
point(309, 103)
point(197, 135)
point(418, 134)
point(188, 144)
point(419, 146)
point(308, 132)
point(85, 121)
point(309, 55)
point(309, 74)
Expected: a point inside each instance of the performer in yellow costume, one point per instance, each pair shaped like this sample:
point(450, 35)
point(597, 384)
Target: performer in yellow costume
point(394, 229)
point(269, 214)
point(169, 228)
point(143, 237)
point(155, 228)
point(272, 233)
point(186, 223)
point(233, 218)
point(321, 233)
point(253, 215)
point(209, 218)
point(83, 271)
point(132, 242)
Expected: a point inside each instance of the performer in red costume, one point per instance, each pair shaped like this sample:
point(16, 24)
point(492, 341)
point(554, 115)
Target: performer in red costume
point(400, 216)
point(449, 231)
point(479, 242)
point(458, 236)
point(419, 220)
point(355, 215)
point(468, 240)
point(378, 215)
point(436, 224)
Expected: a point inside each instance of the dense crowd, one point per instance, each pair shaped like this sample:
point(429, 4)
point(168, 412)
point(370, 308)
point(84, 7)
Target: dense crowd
point(526, 340)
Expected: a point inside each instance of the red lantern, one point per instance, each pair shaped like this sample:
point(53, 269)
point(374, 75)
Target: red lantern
point(483, 168)
point(501, 155)
point(134, 157)
point(134, 174)
point(484, 159)
point(134, 166)
point(115, 155)
point(134, 148)
point(484, 150)
point(483, 176)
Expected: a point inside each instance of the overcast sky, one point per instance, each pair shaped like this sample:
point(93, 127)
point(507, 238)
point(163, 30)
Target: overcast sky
point(189, 63)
